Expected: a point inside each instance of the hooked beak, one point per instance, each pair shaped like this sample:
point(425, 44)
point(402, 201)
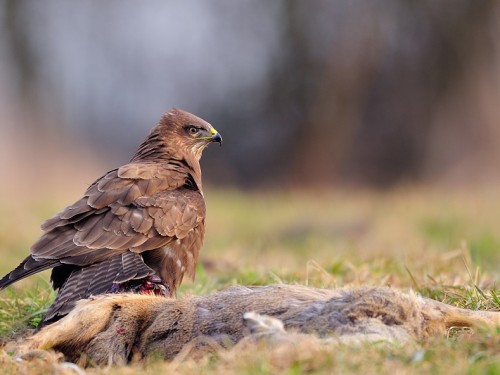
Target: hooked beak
point(216, 137)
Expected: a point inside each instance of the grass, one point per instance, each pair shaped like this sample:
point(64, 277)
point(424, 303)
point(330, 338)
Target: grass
point(444, 244)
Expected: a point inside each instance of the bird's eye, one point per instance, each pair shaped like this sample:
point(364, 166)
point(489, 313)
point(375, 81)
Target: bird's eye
point(193, 130)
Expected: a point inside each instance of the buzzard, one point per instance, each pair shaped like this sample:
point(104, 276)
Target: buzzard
point(139, 227)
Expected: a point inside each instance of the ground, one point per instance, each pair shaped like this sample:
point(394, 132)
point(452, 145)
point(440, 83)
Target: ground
point(442, 242)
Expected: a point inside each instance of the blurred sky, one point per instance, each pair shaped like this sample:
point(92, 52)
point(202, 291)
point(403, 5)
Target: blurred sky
point(305, 93)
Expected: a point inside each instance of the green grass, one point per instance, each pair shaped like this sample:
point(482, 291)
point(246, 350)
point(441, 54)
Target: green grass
point(445, 245)
point(21, 309)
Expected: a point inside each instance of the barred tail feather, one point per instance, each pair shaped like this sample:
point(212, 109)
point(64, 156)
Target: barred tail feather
point(98, 278)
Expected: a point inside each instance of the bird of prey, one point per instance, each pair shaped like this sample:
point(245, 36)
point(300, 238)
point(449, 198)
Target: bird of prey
point(139, 227)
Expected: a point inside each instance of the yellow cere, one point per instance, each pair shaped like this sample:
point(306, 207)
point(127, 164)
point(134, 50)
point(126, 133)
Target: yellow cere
point(213, 131)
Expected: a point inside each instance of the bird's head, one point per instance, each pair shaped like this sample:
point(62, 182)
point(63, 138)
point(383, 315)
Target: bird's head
point(179, 134)
point(191, 132)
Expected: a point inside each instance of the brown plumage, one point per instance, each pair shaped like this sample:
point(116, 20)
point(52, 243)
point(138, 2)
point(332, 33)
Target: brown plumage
point(144, 219)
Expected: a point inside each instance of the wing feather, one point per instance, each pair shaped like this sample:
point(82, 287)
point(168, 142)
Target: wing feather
point(53, 240)
point(151, 223)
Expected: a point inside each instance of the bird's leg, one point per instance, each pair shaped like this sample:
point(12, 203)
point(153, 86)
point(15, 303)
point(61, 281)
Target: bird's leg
point(153, 285)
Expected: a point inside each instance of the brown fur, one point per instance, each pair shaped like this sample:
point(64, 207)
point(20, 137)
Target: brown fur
point(117, 328)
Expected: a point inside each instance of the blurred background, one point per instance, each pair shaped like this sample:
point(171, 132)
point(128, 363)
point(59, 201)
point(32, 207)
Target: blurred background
point(305, 93)
point(370, 96)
